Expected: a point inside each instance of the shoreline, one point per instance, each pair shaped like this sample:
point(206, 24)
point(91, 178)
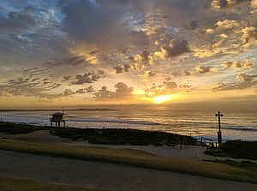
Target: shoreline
point(112, 136)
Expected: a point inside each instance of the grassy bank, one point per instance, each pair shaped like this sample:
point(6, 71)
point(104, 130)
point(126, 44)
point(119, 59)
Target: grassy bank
point(104, 136)
point(133, 158)
point(17, 128)
point(236, 149)
point(21, 184)
point(123, 136)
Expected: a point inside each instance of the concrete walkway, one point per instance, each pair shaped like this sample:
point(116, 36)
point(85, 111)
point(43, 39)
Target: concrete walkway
point(109, 176)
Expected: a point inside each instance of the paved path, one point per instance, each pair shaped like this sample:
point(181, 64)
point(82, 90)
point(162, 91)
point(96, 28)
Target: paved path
point(109, 176)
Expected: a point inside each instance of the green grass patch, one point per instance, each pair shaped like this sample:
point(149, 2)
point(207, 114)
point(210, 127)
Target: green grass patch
point(133, 158)
point(242, 164)
point(22, 184)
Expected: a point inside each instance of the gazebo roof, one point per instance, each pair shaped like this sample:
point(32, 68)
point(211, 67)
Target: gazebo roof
point(58, 113)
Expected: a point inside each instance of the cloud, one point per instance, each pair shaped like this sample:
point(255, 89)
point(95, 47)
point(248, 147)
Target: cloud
point(167, 87)
point(244, 81)
point(146, 39)
point(204, 69)
point(122, 92)
point(121, 68)
point(249, 33)
point(175, 48)
point(17, 21)
point(254, 3)
point(220, 4)
point(89, 89)
point(28, 87)
point(87, 78)
point(228, 36)
point(200, 70)
point(32, 82)
point(69, 92)
point(99, 23)
point(244, 64)
point(31, 28)
point(227, 24)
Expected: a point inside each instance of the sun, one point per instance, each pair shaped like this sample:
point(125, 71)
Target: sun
point(164, 99)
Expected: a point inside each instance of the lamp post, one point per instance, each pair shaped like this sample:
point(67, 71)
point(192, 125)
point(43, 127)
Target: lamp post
point(219, 115)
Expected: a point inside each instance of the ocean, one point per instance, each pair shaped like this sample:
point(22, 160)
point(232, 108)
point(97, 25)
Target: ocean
point(194, 120)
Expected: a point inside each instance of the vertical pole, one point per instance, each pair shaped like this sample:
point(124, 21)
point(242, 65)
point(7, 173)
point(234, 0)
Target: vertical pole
point(219, 115)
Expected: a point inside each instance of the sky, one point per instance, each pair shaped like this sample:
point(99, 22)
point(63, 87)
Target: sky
point(79, 52)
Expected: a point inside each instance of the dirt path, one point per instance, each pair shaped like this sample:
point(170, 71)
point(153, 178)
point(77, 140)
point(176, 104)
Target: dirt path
point(109, 176)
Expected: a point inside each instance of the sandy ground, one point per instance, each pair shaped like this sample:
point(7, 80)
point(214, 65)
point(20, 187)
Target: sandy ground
point(109, 176)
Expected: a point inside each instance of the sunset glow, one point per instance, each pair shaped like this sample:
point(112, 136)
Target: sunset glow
point(88, 52)
point(164, 99)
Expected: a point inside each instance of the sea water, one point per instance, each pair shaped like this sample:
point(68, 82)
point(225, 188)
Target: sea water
point(185, 120)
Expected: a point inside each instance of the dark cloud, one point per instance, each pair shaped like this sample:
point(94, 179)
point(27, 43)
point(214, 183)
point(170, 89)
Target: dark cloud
point(122, 92)
point(121, 68)
point(88, 77)
point(167, 87)
point(70, 60)
point(32, 82)
point(28, 87)
point(89, 89)
point(17, 21)
point(70, 92)
point(175, 48)
point(101, 23)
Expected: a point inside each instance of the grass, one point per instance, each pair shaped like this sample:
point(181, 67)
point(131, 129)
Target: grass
point(134, 158)
point(236, 149)
point(17, 128)
point(22, 184)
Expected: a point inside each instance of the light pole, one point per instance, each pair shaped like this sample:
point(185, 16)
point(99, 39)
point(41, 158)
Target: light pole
point(219, 115)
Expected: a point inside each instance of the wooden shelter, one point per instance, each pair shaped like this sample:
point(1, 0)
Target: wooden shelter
point(57, 118)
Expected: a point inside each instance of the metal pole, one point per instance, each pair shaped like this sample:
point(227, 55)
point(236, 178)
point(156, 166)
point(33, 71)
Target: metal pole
point(219, 115)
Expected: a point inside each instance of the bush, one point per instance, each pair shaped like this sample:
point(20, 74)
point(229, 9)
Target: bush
point(16, 128)
point(123, 136)
point(241, 149)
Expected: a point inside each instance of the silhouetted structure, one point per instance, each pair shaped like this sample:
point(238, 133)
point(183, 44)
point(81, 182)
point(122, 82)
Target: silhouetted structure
point(219, 115)
point(57, 118)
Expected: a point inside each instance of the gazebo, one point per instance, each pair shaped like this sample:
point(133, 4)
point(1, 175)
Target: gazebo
point(57, 118)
